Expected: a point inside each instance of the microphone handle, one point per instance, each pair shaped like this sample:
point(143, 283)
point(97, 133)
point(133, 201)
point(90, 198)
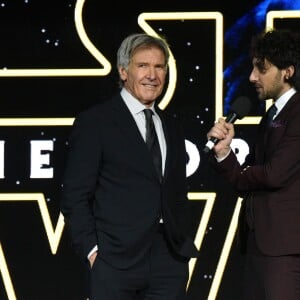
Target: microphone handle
point(231, 118)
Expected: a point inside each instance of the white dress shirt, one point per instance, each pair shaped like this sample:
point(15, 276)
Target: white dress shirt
point(137, 110)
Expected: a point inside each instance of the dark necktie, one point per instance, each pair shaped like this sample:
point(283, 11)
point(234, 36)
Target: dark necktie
point(271, 113)
point(152, 142)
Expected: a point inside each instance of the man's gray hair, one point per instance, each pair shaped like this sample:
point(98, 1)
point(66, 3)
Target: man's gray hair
point(136, 41)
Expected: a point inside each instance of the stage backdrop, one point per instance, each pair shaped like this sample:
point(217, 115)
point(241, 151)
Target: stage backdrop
point(57, 58)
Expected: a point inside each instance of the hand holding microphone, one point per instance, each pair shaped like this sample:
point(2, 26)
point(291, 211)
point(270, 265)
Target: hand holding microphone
point(240, 108)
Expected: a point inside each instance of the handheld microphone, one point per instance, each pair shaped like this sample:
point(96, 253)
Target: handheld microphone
point(240, 108)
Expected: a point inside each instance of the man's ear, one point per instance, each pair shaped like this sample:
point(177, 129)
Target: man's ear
point(122, 73)
point(289, 72)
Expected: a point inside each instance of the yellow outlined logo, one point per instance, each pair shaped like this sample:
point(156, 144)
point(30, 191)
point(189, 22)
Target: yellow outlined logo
point(54, 235)
point(144, 17)
point(68, 72)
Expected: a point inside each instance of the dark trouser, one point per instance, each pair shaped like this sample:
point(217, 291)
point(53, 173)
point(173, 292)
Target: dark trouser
point(160, 276)
point(271, 277)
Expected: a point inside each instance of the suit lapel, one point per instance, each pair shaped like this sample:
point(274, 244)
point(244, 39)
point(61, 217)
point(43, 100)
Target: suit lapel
point(126, 123)
point(169, 141)
point(129, 129)
point(276, 129)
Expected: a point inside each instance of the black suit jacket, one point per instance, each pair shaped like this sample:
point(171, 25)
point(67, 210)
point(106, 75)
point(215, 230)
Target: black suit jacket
point(272, 183)
point(112, 196)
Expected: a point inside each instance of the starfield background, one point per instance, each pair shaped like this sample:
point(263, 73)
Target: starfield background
point(57, 58)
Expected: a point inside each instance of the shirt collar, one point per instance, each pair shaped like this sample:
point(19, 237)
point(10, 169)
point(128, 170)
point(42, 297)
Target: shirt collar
point(283, 99)
point(133, 104)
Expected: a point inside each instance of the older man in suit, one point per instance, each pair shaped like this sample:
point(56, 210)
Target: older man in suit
point(270, 178)
point(127, 212)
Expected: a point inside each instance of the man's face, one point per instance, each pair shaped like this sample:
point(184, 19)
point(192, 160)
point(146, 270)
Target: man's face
point(267, 79)
point(145, 77)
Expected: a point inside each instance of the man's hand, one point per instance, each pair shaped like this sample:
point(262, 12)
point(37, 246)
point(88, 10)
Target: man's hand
point(224, 132)
point(92, 258)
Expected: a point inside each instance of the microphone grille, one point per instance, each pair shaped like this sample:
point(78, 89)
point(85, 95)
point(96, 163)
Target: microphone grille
point(241, 106)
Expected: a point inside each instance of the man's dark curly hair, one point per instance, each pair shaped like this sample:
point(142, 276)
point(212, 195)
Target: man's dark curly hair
point(281, 48)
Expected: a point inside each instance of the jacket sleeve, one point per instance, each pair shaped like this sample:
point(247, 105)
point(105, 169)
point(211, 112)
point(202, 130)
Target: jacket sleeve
point(79, 183)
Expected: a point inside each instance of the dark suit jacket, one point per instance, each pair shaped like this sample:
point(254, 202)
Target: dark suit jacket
point(112, 196)
point(272, 183)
